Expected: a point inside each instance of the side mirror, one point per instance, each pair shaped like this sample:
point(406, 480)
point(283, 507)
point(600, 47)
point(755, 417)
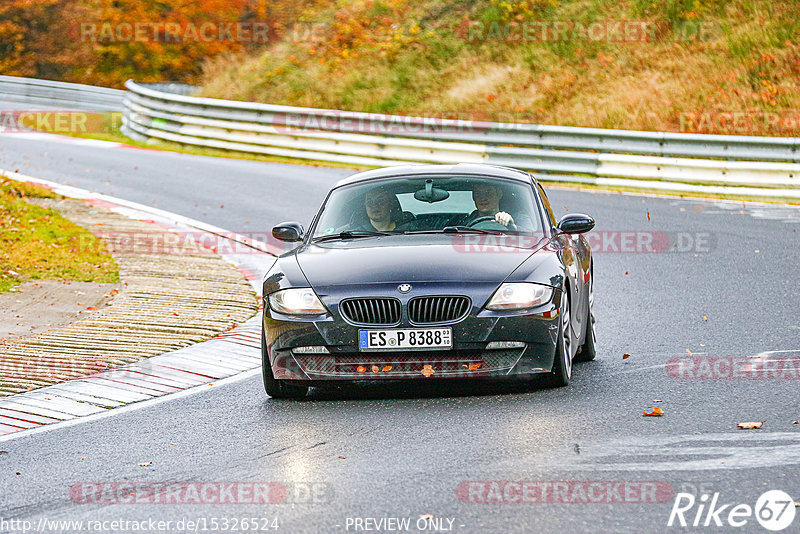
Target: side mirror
point(575, 223)
point(288, 231)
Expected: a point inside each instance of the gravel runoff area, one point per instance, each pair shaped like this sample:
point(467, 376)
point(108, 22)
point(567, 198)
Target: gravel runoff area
point(169, 297)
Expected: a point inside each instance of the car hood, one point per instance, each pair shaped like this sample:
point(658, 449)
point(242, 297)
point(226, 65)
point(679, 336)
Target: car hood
point(411, 259)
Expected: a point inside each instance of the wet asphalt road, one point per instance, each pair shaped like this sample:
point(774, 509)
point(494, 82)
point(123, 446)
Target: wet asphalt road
point(407, 450)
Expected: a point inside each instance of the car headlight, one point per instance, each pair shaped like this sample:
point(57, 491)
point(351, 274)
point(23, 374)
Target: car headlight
point(520, 296)
point(300, 301)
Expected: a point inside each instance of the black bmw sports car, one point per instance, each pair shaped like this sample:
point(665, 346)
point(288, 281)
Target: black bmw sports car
point(429, 272)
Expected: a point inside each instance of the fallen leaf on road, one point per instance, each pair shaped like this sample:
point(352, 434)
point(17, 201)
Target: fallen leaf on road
point(91, 308)
point(145, 464)
point(688, 352)
point(795, 422)
point(3, 452)
point(705, 318)
point(658, 400)
point(175, 314)
point(341, 457)
point(83, 457)
point(657, 412)
point(750, 426)
point(626, 356)
point(427, 516)
point(648, 215)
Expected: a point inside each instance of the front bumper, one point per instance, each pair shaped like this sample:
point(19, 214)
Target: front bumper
point(533, 335)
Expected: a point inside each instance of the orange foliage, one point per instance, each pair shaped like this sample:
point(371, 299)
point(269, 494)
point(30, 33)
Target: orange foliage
point(106, 42)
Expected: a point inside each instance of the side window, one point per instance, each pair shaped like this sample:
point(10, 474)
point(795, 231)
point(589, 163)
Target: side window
point(546, 204)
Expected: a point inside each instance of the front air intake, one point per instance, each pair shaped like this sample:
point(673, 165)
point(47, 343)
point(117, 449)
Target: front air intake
point(431, 310)
point(371, 311)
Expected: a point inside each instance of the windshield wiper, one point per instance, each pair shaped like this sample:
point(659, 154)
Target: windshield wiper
point(458, 230)
point(350, 234)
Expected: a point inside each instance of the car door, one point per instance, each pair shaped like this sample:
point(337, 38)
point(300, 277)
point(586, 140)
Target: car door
point(573, 254)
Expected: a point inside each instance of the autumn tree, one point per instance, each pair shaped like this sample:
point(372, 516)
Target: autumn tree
point(99, 42)
point(32, 37)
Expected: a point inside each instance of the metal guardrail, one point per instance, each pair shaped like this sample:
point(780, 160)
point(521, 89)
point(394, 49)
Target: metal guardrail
point(766, 166)
point(61, 94)
point(730, 147)
point(371, 139)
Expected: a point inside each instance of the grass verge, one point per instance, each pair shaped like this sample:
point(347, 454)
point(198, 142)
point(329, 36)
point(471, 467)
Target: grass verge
point(38, 243)
point(706, 66)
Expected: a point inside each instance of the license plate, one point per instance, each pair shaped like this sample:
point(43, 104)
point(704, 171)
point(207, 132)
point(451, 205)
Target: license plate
point(405, 339)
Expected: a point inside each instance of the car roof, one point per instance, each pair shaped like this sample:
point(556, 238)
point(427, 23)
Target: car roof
point(461, 169)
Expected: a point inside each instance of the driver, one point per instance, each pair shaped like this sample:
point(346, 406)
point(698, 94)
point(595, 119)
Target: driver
point(380, 206)
point(487, 203)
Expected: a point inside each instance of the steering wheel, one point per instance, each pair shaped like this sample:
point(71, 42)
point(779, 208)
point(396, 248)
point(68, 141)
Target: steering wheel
point(490, 218)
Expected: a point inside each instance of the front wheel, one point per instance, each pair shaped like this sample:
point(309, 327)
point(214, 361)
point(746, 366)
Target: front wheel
point(562, 362)
point(277, 389)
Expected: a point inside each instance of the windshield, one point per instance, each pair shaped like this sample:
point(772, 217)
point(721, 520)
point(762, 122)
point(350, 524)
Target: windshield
point(430, 204)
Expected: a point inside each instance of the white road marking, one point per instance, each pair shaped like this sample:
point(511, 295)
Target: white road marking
point(126, 409)
point(235, 353)
point(64, 139)
point(715, 451)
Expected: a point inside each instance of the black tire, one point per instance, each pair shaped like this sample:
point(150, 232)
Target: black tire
point(588, 351)
point(562, 363)
point(277, 389)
